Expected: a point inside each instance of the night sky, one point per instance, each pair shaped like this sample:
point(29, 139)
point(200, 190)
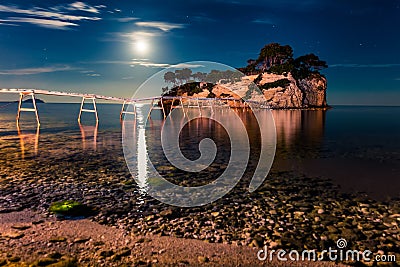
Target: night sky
point(111, 47)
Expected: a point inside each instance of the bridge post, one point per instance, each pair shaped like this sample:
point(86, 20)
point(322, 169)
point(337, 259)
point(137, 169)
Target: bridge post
point(20, 108)
point(123, 111)
point(94, 110)
point(194, 104)
point(180, 105)
point(152, 107)
point(183, 108)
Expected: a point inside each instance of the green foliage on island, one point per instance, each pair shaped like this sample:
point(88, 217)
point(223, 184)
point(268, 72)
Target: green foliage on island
point(185, 81)
point(278, 59)
point(189, 88)
point(279, 83)
point(273, 58)
point(251, 88)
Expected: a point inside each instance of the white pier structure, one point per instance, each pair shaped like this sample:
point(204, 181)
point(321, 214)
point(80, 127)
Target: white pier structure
point(183, 102)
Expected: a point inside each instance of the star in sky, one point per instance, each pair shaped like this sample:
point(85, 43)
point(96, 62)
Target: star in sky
point(111, 47)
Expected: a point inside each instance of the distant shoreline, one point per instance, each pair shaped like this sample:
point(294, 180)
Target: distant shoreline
point(37, 100)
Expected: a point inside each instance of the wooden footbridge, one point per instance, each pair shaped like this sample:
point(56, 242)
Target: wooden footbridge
point(160, 102)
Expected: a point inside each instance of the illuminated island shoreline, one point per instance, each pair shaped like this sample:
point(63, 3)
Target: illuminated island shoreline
point(284, 81)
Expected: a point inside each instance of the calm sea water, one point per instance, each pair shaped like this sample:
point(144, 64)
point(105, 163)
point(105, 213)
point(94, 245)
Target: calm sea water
point(358, 148)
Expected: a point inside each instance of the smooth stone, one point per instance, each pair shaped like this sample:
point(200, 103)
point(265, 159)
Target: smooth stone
point(80, 240)
point(14, 235)
point(20, 226)
point(57, 239)
point(202, 259)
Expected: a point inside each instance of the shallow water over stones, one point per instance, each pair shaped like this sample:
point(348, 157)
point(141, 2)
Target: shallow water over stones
point(290, 210)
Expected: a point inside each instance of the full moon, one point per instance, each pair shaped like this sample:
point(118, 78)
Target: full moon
point(141, 46)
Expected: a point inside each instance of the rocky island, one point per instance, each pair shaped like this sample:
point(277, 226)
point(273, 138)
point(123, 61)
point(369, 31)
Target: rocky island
point(285, 82)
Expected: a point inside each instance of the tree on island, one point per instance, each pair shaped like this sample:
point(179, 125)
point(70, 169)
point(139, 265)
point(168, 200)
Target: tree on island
point(278, 59)
point(273, 58)
point(183, 75)
point(306, 65)
point(180, 78)
point(274, 54)
point(170, 77)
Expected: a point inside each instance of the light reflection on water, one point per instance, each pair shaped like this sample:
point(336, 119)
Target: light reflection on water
point(356, 147)
point(87, 133)
point(142, 163)
point(28, 140)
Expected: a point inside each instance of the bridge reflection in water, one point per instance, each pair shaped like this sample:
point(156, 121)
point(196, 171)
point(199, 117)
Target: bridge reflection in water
point(89, 134)
point(28, 139)
point(296, 129)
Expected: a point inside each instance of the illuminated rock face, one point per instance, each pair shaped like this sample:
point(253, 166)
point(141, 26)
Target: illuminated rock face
point(305, 93)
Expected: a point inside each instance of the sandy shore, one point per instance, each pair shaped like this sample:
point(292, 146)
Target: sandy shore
point(27, 238)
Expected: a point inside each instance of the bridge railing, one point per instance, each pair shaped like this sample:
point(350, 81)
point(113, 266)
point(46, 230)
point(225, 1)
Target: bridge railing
point(157, 102)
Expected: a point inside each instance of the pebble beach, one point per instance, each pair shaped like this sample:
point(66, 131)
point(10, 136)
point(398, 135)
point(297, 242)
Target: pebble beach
point(289, 211)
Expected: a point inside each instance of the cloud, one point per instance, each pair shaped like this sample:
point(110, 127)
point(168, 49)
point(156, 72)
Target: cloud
point(148, 64)
point(128, 78)
point(45, 13)
point(5, 22)
point(390, 65)
point(163, 26)
point(93, 75)
point(48, 18)
point(81, 6)
point(86, 71)
point(186, 65)
point(33, 71)
point(145, 63)
point(90, 73)
point(47, 23)
point(121, 62)
point(133, 36)
point(126, 19)
point(155, 29)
